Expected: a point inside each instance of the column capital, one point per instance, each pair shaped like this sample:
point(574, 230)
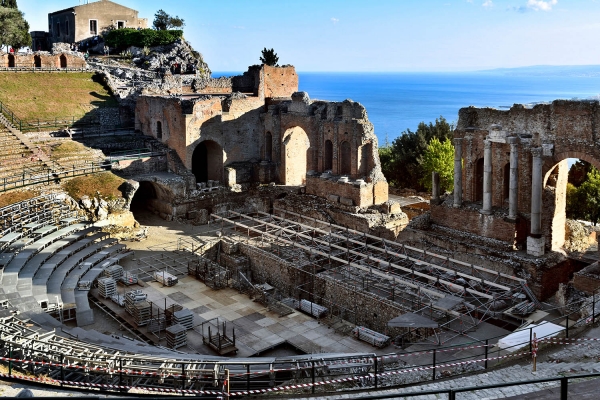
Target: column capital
point(487, 144)
point(457, 141)
point(512, 140)
point(536, 152)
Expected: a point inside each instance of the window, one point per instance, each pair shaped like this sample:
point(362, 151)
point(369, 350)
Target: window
point(120, 24)
point(57, 29)
point(158, 130)
point(93, 26)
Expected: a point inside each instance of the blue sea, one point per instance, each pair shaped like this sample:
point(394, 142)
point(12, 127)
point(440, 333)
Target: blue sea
point(396, 102)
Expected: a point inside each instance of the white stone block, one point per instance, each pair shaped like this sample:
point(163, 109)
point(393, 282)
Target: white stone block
point(535, 246)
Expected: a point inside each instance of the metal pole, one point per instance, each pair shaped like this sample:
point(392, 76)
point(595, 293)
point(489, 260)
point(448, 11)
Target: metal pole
point(594, 306)
point(313, 376)
point(434, 354)
point(486, 352)
point(375, 361)
point(530, 339)
point(567, 325)
point(247, 376)
point(564, 388)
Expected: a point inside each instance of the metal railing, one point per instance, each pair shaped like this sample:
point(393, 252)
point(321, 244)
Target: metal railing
point(133, 154)
point(29, 178)
point(564, 388)
point(31, 68)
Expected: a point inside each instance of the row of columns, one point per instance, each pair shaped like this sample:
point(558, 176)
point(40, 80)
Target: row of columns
point(536, 182)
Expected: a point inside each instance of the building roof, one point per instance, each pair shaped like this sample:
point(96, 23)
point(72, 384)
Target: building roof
point(74, 8)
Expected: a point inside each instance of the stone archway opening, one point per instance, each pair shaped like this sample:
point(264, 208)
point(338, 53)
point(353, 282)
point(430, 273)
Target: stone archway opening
point(37, 61)
point(11, 61)
point(207, 161)
point(345, 158)
point(478, 180)
point(63, 61)
point(328, 159)
point(142, 199)
point(295, 156)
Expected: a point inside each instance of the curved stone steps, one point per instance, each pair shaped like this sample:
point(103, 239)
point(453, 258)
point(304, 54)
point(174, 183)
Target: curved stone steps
point(45, 271)
point(25, 280)
point(54, 282)
point(10, 274)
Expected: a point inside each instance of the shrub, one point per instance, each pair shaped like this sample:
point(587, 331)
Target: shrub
point(126, 37)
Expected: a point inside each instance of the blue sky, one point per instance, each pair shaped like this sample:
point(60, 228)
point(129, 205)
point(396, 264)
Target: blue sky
point(377, 35)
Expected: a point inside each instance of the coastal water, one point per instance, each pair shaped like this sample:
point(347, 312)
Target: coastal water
point(399, 101)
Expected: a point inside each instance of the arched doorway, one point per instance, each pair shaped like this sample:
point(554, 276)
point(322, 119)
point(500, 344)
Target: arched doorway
point(505, 182)
point(328, 158)
point(11, 61)
point(479, 180)
point(268, 146)
point(142, 199)
point(37, 62)
point(365, 159)
point(63, 61)
point(295, 157)
point(158, 130)
point(207, 161)
point(345, 158)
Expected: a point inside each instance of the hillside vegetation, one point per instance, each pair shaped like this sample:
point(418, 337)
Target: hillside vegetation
point(47, 96)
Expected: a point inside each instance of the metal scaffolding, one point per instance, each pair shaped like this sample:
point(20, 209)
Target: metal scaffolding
point(457, 295)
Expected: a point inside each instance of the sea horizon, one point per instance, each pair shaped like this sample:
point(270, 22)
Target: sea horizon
point(399, 101)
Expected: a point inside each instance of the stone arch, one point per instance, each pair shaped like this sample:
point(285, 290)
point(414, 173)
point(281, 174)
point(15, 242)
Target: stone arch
point(63, 61)
point(158, 129)
point(11, 61)
point(207, 161)
point(151, 196)
point(295, 156)
point(345, 158)
point(268, 146)
point(505, 182)
point(37, 61)
point(366, 153)
point(478, 180)
point(328, 156)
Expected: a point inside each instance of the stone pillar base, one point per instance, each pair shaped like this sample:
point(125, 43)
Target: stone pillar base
point(535, 246)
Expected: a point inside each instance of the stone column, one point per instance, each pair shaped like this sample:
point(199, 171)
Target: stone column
point(458, 172)
point(435, 186)
point(513, 188)
point(535, 241)
point(487, 177)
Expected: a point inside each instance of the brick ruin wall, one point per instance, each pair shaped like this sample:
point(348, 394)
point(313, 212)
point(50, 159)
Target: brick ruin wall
point(43, 60)
point(351, 303)
point(257, 129)
point(564, 129)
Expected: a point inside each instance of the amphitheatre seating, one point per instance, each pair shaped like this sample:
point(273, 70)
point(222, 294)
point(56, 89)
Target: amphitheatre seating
point(19, 219)
point(45, 271)
point(24, 283)
point(16, 157)
point(49, 234)
point(84, 313)
point(54, 282)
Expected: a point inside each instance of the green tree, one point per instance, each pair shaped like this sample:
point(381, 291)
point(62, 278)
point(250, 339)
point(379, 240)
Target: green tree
point(578, 172)
point(589, 195)
point(403, 166)
point(14, 29)
point(439, 157)
point(8, 3)
point(163, 21)
point(269, 57)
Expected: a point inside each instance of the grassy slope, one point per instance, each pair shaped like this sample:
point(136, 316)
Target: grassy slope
point(52, 95)
point(105, 183)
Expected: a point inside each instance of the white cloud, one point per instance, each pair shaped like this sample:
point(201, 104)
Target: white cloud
point(487, 4)
point(334, 20)
point(541, 5)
